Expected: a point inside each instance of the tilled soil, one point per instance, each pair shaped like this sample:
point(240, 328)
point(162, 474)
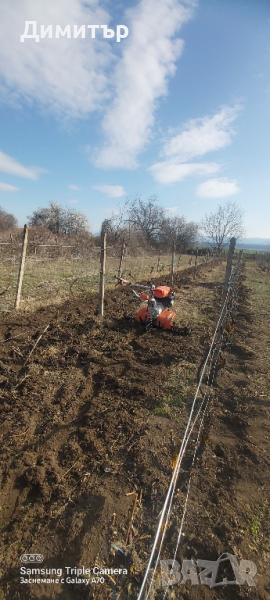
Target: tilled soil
point(90, 418)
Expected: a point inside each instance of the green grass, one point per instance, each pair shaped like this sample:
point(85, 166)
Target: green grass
point(256, 523)
point(53, 281)
point(258, 282)
point(163, 409)
point(177, 391)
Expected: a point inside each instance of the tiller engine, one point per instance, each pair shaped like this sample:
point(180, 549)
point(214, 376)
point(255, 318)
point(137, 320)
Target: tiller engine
point(158, 311)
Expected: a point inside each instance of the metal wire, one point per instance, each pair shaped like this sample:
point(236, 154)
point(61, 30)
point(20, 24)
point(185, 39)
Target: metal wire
point(175, 482)
point(169, 498)
point(179, 460)
point(192, 465)
point(198, 438)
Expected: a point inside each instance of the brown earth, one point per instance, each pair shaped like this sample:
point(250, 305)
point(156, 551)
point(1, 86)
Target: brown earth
point(89, 415)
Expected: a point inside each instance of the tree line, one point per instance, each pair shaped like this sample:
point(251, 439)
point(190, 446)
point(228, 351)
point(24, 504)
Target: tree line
point(148, 224)
point(139, 223)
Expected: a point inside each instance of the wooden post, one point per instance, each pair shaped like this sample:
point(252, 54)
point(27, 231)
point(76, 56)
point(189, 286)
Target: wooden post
point(121, 258)
point(21, 270)
point(102, 275)
point(172, 263)
point(195, 265)
point(226, 283)
point(228, 269)
point(158, 262)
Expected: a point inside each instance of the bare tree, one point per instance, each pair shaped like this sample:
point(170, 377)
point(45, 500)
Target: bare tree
point(146, 217)
point(7, 220)
point(76, 222)
point(146, 223)
point(60, 220)
point(219, 227)
point(51, 218)
point(177, 229)
point(137, 221)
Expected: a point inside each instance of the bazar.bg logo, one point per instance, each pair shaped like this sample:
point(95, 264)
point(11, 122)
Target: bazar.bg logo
point(171, 572)
point(32, 558)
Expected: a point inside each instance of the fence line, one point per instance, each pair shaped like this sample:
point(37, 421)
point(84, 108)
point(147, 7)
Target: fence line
point(264, 261)
point(229, 307)
point(171, 490)
point(193, 457)
point(170, 494)
point(54, 272)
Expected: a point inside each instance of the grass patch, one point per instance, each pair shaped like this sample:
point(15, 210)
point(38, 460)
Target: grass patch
point(178, 390)
point(163, 409)
point(257, 522)
point(259, 281)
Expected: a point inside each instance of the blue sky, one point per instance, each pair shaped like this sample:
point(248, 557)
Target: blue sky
point(178, 109)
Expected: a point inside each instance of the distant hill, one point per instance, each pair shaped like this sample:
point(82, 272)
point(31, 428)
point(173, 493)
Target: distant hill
point(259, 244)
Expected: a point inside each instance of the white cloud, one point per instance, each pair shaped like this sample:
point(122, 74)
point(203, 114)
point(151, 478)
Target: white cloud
point(65, 76)
point(203, 135)
point(74, 187)
point(217, 188)
point(73, 77)
point(141, 77)
point(73, 201)
point(170, 172)
point(198, 137)
point(113, 191)
point(13, 167)
point(5, 187)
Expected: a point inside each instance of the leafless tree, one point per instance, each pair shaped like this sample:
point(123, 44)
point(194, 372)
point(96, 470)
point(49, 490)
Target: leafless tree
point(137, 221)
point(59, 220)
point(177, 229)
point(7, 220)
point(146, 224)
point(146, 217)
point(76, 222)
point(219, 227)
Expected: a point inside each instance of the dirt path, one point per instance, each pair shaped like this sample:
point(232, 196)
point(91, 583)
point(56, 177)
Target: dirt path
point(89, 419)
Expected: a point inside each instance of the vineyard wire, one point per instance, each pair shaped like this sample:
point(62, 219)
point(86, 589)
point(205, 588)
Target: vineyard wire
point(198, 436)
point(171, 490)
